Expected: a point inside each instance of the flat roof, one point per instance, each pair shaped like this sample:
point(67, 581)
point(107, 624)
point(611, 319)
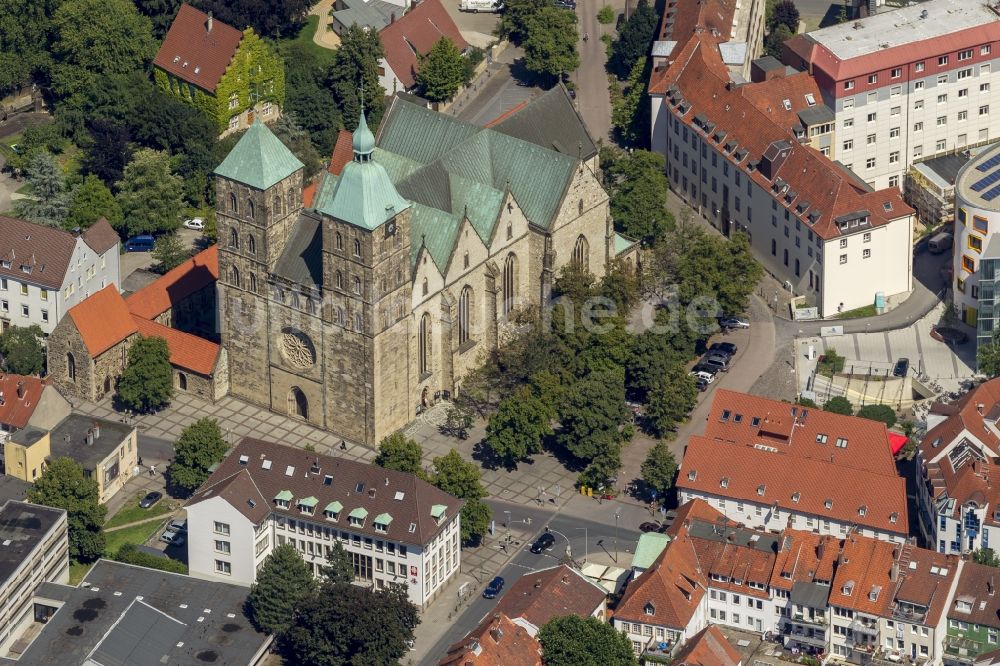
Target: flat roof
point(902, 26)
point(69, 438)
point(22, 527)
point(12, 488)
point(124, 614)
point(943, 170)
point(978, 182)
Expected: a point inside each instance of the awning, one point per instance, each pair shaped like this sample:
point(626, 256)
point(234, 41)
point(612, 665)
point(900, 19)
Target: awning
point(896, 442)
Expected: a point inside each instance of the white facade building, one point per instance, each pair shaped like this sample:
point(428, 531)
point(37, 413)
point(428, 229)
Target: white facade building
point(395, 527)
point(45, 271)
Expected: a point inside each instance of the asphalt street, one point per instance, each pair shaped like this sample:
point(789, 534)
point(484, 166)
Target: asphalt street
point(582, 536)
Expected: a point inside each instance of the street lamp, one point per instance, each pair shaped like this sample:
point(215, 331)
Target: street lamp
point(617, 516)
point(585, 551)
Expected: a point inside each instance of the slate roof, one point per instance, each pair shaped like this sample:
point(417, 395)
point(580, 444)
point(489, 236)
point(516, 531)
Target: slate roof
point(303, 473)
point(15, 412)
point(708, 647)
point(414, 34)
point(69, 438)
point(301, 260)
point(192, 53)
point(259, 159)
point(112, 619)
point(542, 595)
point(375, 14)
point(195, 274)
point(46, 250)
point(103, 320)
point(542, 121)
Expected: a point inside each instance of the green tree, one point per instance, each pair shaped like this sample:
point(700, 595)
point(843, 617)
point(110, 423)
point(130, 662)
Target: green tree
point(354, 67)
point(634, 40)
point(517, 428)
point(550, 46)
point(593, 413)
point(63, 485)
point(307, 95)
point(130, 554)
point(517, 17)
point(670, 401)
point(146, 384)
point(839, 405)
point(22, 350)
point(344, 624)
point(94, 38)
point(988, 356)
point(629, 113)
point(659, 468)
point(283, 580)
point(90, 201)
point(25, 27)
point(169, 252)
point(399, 452)
point(637, 184)
point(441, 72)
point(571, 640)
point(785, 13)
point(606, 15)
point(457, 476)
point(986, 556)
point(339, 567)
point(842, 15)
point(274, 18)
point(476, 516)
point(883, 413)
point(200, 446)
point(149, 194)
point(297, 140)
point(778, 36)
point(49, 200)
point(160, 12)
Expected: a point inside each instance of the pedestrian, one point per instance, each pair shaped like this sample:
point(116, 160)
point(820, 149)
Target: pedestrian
point(140, 461)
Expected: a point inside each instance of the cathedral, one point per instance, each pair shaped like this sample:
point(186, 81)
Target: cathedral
point(358, 306)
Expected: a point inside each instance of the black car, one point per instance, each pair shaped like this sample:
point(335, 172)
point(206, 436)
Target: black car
point(701, 384)
point(902, 367)
point(493, 589)
point(565, 4)
point(724, 347)
point(150, 499)
point(706, 367)
point(544, 542)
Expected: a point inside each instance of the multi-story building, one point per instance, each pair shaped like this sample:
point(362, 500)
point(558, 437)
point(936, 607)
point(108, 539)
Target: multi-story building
point(35, 550)
point(957, 474)
point(977, 220)
point(396, 527)
point(973, 616)
point(905, 84)
point(29, 401)
point(45, 271)
point(409, 39)
point(772, 465)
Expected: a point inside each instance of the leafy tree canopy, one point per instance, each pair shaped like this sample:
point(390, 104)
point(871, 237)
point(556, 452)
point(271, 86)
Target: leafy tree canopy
point(638, 190)
point(571, 640)
point(149, 194)
point(273, 18)
point(882, 413)
point(64, 486)
point(476, 515)
point(518, 427)
point(90, 201)
point(634, 40)
point(516, 18)
point(774, 40)
point(49, 200)
point(25, 31)
point(457, 476)
point(161, 14)
point(356, 63)
point(283, 580)
point(339, 566)
point(200, 446)
point(988, 356)
point(606, 15)
point(839, 405)
point(146, 384)
point(550, 46)
point(785, 13)
point(297, 140)
point(986, 556)
point(659, 468)
point(399, 452)
point(442, 71)
point(169, 252)
point(307, 95)
point(670, 401)
point(630, 111)
point(593, 413)
point(22, 350)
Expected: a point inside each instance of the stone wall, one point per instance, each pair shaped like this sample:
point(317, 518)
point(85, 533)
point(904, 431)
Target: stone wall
point(193, 383)
point(196, 314)
point(95, 378)
point(108, 368)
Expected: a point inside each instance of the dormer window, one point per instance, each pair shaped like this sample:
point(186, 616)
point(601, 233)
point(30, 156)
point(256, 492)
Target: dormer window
point(828, 503)
point(862, 510)
point(282, 499)
point(760, 489)
point(796, 497)
point(438, 512)
point(848, 588)
point(308, 505)
point(332, 511)
point(649, 608)
point(692, 475)
point(724, 482)
point(382, 522)
point(893, 517)
point(873, 594)
point(357, 517)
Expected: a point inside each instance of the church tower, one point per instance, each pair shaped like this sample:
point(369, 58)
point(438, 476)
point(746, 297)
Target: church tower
point(258, 191)
point(366, 271)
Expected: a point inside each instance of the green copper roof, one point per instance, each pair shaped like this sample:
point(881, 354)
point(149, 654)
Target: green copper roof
point(650, 545)
point(284, 496)
point(259, 159)
point(334, 507)
point(363, 195)
point(622, 243)
point(383, 519)
point(360, 513)
point(309, 502)
point(434, 229)
point(363, 141)
point(438, 510)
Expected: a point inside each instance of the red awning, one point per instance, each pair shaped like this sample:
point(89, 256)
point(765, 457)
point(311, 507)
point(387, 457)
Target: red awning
point(896, 442)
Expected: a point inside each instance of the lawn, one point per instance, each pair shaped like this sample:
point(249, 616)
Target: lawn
point(136, 534)
point(77, 571)
point(866, 311)
point(131, 512)
point(305, 39)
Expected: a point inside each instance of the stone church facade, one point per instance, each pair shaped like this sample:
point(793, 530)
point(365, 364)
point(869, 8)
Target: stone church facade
point(379, 297)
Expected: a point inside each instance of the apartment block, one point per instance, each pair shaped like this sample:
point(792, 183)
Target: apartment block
point(771, 465)
point(905, 84)
point(396, 527)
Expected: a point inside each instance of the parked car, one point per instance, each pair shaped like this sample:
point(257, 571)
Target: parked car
point(721, 361)
point(195, 223)
point(565, 4)
point(150, 499)
point(701, 384)
point(704, 376)
point(140, 243)
point(178, 526)
point(543, 542)
point(724, 347)
point(649, 526)
point(172, 538)
point(493, 589)
point(705, 367)
point(734, 322)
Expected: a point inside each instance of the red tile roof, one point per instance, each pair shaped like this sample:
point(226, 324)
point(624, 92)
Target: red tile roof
point(15, 410)
point(925, 579)
point(540, 596)
point(103, 320)
point(808, 558)
point(187, 351)
point(865, 566)
point(416, 33)
point(192, 53)
point(977, 586)
point(100, 237)
point(46, 251)
point(195, 274)
point(343, 152)
point(708, 647)
point(496, 641)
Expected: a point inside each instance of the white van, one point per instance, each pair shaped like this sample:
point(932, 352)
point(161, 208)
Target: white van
point(940, 243)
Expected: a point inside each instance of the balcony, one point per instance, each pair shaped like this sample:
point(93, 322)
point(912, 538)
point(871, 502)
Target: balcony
point(816, 619)
point(907, 613)
point(806, 637)
point(864, 628)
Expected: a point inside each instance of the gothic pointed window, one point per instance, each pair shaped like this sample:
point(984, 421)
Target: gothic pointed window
point(71, 367)
point(339, 280)
point(339, 241)
point(357, 248)
point(250, 209)
point(232, 202)
point(464, 315)
point(251, 244)
point(234, 239)
point(509, 283)
point(277, 206)
point(424, 342)
point(581, 254)
point(253, 282)
point(357, 286)
point(234, 276)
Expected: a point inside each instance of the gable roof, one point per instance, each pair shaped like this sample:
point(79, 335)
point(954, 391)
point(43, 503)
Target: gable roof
point(542, 121)
point(100, 237)
point(35, 252)
point(977, 587)
point(708, 647)
point(195, 274)
point(195, 54)
point(414, 35)
point(15, 411)
point(276, 468)
point(301, 260)
point(187, 351)
point(342, 152)
point(103, 320)
point(497, 640)
point(542, 595)
point(259, 159)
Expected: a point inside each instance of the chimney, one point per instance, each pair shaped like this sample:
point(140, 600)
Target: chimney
point(392, 18)
point(819, 549)
point(979, 408)
point(894, 572)
point(20, 390)
point(208, 24)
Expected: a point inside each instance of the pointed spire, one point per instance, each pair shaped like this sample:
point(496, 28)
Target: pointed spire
point(363, 141)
